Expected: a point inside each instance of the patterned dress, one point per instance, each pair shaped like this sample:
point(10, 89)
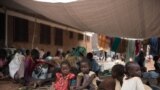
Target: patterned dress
point(63, 83)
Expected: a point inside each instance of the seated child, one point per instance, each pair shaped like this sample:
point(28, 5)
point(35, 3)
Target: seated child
point(151, 75)
point(132, 80)
point(63, 78)
point(30, 63)
point(2, 68)
point(107, 84)
point(117, 75)
point(86, 79)
point(114, 82)
point(46, 72)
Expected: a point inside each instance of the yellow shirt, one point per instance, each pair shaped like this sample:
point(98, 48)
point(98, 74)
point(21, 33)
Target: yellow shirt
point(86, 77)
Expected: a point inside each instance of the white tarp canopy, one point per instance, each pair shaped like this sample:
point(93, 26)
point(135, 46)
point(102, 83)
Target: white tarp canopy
point(123, 18)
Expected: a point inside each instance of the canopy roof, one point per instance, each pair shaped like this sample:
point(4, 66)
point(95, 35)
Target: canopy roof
point(120, 18)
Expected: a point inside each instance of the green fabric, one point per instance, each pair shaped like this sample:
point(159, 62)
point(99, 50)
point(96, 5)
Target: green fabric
point(115, 44)
point(130, 52)
point(79, 51)
point(105, 73)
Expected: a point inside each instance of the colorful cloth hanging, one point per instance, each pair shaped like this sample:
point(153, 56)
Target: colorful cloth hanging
point(145, 43)
point(79, 51)
point(115, 44)
point(153, 42)
point(130, 53)
point(94, 42)
point(103, 42)
point(137, 47)
point(122, 46)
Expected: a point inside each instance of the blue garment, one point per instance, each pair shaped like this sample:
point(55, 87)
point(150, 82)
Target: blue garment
point(150, 75)
point(153, 46)
point(95, 66)
point(73, 82)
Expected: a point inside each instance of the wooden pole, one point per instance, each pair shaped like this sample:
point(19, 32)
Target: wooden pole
point(34, 32)
point(6, 28)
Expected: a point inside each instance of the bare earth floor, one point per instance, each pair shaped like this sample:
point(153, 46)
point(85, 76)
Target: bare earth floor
point(11, 85)
point(8, 85)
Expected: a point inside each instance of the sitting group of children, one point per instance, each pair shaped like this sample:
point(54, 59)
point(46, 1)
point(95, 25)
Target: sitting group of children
point(124, 78)
point(32, 71)
point(29, 70)
point(66, 80)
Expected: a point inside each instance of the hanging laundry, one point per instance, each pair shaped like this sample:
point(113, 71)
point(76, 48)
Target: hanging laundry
point(103, 42)
point(111, 41)
point(95, 42)
point(108, 40)
point(130, 53)
point(153, 42)
point(122, 46)
point(115, 44)
point(138, 47)
point(145, 43)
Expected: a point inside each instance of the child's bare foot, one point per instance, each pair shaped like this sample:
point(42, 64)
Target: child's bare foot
point(35, 85)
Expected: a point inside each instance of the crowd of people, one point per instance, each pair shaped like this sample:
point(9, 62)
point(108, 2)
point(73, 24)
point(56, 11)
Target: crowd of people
point(76, 70)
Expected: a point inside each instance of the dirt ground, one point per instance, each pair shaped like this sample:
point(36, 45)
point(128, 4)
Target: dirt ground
point(9, 85)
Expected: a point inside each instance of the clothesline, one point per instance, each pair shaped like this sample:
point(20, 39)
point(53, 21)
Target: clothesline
point(129, 47)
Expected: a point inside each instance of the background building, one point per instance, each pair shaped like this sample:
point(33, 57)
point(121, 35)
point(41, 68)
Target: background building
point(24, 31)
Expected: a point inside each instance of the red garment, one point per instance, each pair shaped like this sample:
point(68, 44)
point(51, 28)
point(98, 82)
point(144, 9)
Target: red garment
point(62, 83)
point(138, 47)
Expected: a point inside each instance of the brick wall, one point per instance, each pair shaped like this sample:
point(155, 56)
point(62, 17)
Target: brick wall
point(67, 42)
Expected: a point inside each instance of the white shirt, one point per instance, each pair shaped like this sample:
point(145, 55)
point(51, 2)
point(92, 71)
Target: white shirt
point(134, 83)
point(118, 85)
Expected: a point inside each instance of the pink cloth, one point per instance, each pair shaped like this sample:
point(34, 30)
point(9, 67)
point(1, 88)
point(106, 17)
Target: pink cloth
point(62, 83)
point(29, 65)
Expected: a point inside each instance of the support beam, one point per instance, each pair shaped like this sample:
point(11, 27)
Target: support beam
point(6, 28)
point(34, 32)
point(52, 24)
point(2, 10)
